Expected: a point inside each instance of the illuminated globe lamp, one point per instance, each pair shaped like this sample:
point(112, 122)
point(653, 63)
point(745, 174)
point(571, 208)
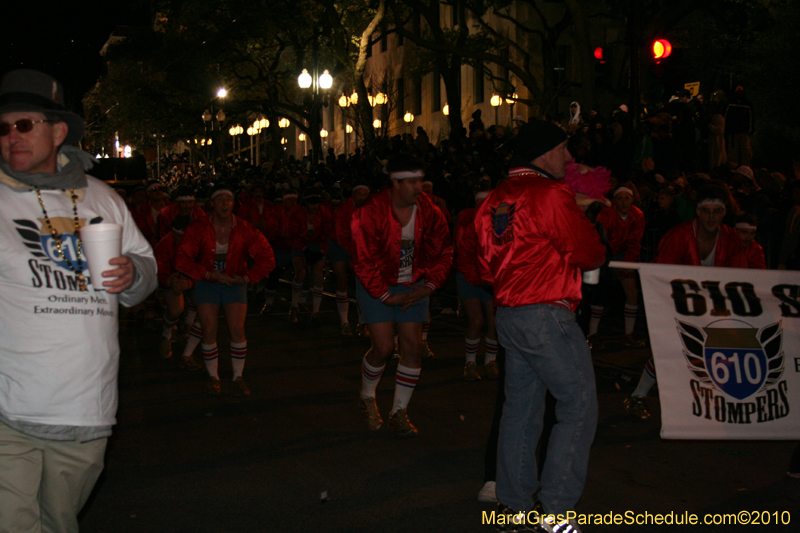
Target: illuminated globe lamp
point(446, 109)
point(661, 49)
point(301, 137)
point(348, 128)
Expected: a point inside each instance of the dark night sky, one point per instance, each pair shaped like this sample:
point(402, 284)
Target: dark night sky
point(64, 38)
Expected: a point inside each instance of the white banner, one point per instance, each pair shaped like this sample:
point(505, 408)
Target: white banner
point(726, 343)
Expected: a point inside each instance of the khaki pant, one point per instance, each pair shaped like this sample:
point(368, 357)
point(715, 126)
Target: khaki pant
point(45, 483)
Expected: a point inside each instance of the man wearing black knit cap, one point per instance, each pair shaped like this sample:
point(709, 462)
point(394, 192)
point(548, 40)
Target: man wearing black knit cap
point(533, 243)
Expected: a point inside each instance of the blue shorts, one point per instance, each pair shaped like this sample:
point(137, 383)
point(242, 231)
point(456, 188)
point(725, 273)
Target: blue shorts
point(468, 291)
point(336, 253)
point(375, 311)
point(311, 247)
point(219, 294)
point(282, 258)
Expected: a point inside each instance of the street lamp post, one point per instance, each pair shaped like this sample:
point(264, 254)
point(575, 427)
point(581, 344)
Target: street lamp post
point(344, 103)
point(315, 82)
point(496, 101)
point(408, 118)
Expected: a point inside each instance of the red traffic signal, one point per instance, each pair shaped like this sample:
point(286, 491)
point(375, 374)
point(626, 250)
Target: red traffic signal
point(661, 49)
point(598, 54)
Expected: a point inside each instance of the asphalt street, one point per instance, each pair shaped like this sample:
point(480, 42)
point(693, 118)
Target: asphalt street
point(296, 456)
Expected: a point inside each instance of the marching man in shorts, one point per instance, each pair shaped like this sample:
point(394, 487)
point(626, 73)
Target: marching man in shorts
point(403, 254)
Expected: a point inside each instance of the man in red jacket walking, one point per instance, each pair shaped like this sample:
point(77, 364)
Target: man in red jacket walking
point(403, 254)
point(533, 244)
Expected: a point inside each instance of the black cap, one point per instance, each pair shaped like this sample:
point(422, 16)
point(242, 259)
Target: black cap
point(534, 139)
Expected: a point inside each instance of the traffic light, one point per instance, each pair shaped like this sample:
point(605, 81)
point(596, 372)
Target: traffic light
point(600, 67)
point(661, 49)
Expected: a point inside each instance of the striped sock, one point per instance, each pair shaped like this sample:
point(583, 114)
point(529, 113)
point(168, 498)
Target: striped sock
point(297, 287)
point(630, 318)
point(316, 298)
point(195, 335)
point(370, 377)
point(594, 322)
point(405, 382)
point(647, 380)
point(342, 306)
point(472, 348)
point(238, 353)
point(211, 358)
point(191, 312)
point(491, 350)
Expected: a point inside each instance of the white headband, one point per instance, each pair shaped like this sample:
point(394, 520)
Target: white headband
point(290, 195)
point(744, 225)
point(360, 186)
point(184, 198)
point(623, 189)
point(481, 195)
point(403, 174)
point(712, 201)
point(428, 182)
point(221, 191)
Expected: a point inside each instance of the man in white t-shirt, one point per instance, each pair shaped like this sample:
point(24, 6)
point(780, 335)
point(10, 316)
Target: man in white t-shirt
point(59, 357)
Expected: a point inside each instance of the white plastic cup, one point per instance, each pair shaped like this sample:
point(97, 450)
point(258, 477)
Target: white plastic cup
point(592, 277)
point(101, 243)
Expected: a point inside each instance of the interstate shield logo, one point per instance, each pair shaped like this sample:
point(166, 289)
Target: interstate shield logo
point(502, 223)
point(733, 356)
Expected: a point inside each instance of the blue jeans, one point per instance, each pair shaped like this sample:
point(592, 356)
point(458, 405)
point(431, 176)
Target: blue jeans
point(545, 350)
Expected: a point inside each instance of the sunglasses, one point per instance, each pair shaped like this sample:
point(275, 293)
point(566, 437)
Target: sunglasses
point(23, 125)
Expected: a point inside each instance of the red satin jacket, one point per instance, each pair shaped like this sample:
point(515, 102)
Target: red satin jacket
point(198, 250)
point(467, 247)
point(298, 227)
point(534, 241)
point(343, 235)
point(624, 236)
point(377, 234)
point(754, 254)
point(679, 247)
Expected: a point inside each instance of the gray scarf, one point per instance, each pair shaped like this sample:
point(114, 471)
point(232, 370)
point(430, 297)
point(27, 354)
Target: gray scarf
point(72, 162)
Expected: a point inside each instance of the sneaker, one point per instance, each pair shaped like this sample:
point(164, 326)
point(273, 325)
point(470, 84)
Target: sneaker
point(369, 408)
point(400, 425)
point(347, 331)
point(488, 493)
point(213, 387)
point(189, 363)
point(316, 318)
point(293, 315)
point(551, 526)
point(636, 407)
point(471, 372)
point(630, 342)
point(426, 351)
point(513, 521)
point(166, 347)
point(239, 388)
point(492, 370)
point(595, 342)
point(267, 310)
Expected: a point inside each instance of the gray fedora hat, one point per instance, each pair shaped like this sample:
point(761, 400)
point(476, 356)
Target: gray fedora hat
point(31, 90)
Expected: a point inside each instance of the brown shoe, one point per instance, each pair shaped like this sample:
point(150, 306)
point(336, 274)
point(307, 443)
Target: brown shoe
point(595, 342)
point(491, 369)
point(369, 408)
point(636, 407)
point(401, 426)
point(213, 387)
point(189, 363)
point(239, 388)
point(293, 315)
point(471, 372)
point(630, 342)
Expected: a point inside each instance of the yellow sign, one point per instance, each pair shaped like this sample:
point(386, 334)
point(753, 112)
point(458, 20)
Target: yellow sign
point(693, 88)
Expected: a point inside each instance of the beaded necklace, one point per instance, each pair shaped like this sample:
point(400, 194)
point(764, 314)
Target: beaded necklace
point(57, 237)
